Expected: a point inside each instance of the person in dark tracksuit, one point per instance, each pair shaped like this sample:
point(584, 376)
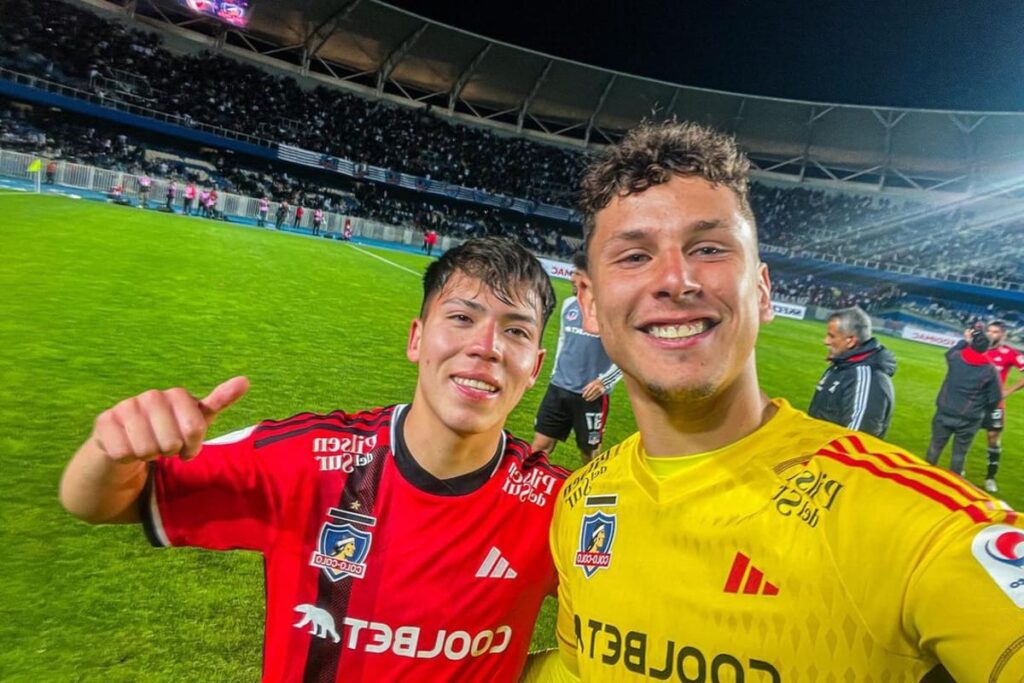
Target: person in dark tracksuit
point(856, 390)
point(582, 379)
point(970, 391)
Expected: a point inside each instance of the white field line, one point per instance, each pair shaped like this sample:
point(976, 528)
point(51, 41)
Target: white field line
point(381, 258)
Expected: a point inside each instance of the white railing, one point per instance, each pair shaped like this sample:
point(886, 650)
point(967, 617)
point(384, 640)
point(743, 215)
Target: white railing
point(92, 179)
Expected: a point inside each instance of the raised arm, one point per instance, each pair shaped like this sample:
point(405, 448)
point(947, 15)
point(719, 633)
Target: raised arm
point(104, 479)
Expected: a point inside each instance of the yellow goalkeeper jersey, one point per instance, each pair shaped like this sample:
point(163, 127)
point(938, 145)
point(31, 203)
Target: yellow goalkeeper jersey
point(803, 552)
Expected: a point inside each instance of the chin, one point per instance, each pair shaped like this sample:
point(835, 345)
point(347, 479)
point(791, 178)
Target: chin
point(467, 424)
point(681, 393)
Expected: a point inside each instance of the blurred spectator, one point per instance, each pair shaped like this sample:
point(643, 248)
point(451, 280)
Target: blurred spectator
point(318, 219)
point(282, 214)
point(145, 183)
point(261, 212)
point(172, 192)
point(190, 196)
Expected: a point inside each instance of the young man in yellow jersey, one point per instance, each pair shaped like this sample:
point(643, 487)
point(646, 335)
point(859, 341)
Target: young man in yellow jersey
point(734, 538)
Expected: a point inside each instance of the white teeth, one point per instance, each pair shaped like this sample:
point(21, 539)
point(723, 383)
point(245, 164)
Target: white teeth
point(475, 384)
point(678, 331)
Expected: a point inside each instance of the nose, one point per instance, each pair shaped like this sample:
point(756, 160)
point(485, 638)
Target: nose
point(675, 278)
point(484, 342)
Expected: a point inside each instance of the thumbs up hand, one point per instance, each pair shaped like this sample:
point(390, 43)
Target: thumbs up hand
point(154, 423)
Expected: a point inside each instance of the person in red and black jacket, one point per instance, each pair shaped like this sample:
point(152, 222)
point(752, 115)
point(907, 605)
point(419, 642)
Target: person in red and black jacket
point(970, 391)
point(856, 390)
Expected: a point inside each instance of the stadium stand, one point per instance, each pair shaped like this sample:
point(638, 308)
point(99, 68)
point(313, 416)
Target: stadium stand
point(65, 137)
point(41, 40)
point(904, 233)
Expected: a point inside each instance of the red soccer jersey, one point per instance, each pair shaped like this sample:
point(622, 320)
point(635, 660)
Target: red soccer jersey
point(369, 576)
point(1005, 357)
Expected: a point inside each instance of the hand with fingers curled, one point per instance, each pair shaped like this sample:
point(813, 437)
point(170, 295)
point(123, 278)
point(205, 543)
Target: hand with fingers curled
point(103, 481)
point(171, 422)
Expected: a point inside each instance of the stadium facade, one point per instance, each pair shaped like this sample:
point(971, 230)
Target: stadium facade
point(383, 50)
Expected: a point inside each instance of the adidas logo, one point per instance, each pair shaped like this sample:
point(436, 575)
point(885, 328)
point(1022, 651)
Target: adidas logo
point(495, 567)
point(754, 579)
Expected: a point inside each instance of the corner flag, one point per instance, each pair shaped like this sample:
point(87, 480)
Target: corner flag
point(35, 166)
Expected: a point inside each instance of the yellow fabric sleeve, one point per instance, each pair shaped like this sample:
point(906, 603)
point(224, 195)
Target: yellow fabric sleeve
point(960, 605)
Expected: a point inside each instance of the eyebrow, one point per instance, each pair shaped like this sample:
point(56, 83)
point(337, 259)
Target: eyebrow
point(480, 308)
point(637, 234)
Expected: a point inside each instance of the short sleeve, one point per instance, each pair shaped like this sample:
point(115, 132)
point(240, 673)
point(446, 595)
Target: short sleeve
point(223, 499)
point(965, 602)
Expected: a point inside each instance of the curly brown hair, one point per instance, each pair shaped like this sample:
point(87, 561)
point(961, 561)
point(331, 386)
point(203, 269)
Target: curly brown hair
point(651, 154)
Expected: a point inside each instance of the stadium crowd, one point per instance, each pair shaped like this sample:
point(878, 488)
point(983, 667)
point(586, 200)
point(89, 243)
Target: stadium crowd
point(63, 137)
point(48, 40)
point(812, 290)
point(121, 64)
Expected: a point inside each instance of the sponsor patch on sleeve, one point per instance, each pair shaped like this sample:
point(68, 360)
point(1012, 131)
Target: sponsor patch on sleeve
point(1000, 550)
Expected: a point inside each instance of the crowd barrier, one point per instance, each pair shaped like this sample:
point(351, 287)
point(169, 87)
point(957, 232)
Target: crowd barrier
point(233, 206)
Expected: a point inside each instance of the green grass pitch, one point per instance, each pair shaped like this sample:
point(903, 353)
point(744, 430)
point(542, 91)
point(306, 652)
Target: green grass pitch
point(101, 302)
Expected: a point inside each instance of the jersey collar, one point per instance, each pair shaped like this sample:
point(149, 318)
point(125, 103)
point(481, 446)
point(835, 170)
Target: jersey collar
point(413, 473)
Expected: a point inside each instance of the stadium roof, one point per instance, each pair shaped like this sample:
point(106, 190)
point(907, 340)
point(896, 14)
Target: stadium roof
point(395, 52)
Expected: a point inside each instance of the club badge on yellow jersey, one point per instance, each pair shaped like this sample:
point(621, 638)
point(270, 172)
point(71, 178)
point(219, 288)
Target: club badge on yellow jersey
point(597, 533)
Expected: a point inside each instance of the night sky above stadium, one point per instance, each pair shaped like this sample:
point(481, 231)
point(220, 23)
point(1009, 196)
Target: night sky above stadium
point(948, 54)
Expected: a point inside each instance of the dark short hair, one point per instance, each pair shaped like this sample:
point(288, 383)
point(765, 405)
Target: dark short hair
point(504, 266)
point(651, 154)
point(979, 340)
point(997, 323)
point(579, 259)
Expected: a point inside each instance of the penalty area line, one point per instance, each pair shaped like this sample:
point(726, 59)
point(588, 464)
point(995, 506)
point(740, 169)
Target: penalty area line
point(381, 258)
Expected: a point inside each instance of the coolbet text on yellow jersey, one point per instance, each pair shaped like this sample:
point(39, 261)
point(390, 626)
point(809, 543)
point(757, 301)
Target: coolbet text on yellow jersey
point(802, 552)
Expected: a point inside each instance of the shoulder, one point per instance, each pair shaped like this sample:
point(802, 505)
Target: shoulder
point(1014, 356)
point(529, 460)
point(879, 484)
point(529, 476)
point(327, 433)
point(602, 473)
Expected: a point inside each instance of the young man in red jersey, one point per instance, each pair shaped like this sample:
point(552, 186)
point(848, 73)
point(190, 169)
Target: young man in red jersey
point(349, 509)
point(1004, 357)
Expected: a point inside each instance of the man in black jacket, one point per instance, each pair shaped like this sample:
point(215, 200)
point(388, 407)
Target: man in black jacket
point(970, 391)
point(856, 390)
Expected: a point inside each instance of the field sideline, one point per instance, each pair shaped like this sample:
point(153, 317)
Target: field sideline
point(101, 302)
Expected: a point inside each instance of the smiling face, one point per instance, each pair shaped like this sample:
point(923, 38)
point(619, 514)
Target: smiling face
point(676, 287)
point(477, 354)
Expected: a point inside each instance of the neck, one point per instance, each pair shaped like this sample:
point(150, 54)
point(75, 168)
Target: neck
point(441, 451)
point(692, 426)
